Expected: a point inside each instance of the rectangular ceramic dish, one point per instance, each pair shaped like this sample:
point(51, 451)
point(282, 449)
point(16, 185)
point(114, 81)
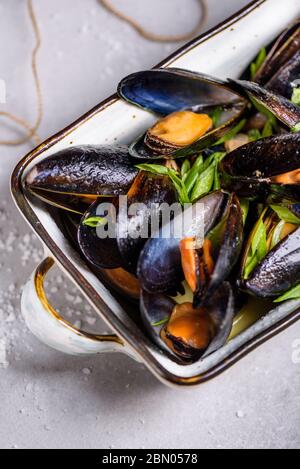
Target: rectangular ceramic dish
point(223, 52)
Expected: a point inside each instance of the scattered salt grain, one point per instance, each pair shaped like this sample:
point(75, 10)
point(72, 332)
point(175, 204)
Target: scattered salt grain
point(91, 321)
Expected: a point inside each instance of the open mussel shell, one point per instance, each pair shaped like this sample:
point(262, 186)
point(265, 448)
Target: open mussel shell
point(159, 266)
point(82, 173)
point(167, 91)
point(281, 66)
point(287, 112)
point(148, 192)
point(155, 311)
point(278, 272)
point(214, 261)
point(100, 250)
point(192, 333)
point(287, 77)
point(266, 170)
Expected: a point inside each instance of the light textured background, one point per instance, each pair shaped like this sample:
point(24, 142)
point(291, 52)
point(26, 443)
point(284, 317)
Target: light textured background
point(48, 400)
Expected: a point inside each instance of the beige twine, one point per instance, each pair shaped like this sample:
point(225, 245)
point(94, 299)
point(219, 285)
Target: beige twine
point(32, 131)
point(158, 37)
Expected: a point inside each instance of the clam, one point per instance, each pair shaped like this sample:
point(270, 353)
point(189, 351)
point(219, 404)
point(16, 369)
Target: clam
point(267, 170)
point(189, 332)
point(82, 174)
point(189, 100)
point(271, 262)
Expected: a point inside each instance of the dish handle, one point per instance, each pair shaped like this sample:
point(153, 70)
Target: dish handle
point(52, 329)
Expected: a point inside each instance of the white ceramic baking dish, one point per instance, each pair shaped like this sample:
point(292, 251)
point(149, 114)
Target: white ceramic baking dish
point(223, 52)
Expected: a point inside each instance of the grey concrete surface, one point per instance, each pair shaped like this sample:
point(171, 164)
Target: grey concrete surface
point(48, 400)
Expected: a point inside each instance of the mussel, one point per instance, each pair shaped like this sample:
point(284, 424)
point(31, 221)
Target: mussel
point(271, 261)
point(159, 266)
point(189, 100)
point(206, 267)
point(282, 65)
point(129, 223)
point(186, 331)
point(205, 261)
point(285, 111)
point(267, 170)
point(82, 174)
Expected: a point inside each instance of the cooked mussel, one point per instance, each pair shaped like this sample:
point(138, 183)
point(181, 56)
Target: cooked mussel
point(285, 111)
point(207, 266)
point(189, 100)
point(187, 331)
point(144, 199)
point(267, 170)
point(282, 65)
point(271, 262)
point(82, 173)
point(159, 266)
point(98, 243)
point(127, 223)
point(155, 311)
point(204, 261)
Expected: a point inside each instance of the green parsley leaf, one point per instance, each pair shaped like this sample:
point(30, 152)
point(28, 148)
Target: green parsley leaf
point(296, 128)
point(160, 323)
point(153, 168)
point(204, 183)
point(232, 132)
point(296, 96)
point(292, 294)
point(286, 215)
point(256, 65)
point(94, 222)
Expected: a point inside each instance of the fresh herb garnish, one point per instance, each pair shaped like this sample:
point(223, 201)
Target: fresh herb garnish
point(258, 249)
point(94, 222)
point(204, 183)
point(296, 96)
point(192, 175)
point(160, 323)
point(286, 215)
point(268, 129)
point(180, 187)
point(186, 166)
point(256, 65)
point(232, 132)
point(254, 135)
point(215, 115)
point(296, 128)
point(153, 168)
point(292, 294)
point(271, 124)
point(245, 205)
